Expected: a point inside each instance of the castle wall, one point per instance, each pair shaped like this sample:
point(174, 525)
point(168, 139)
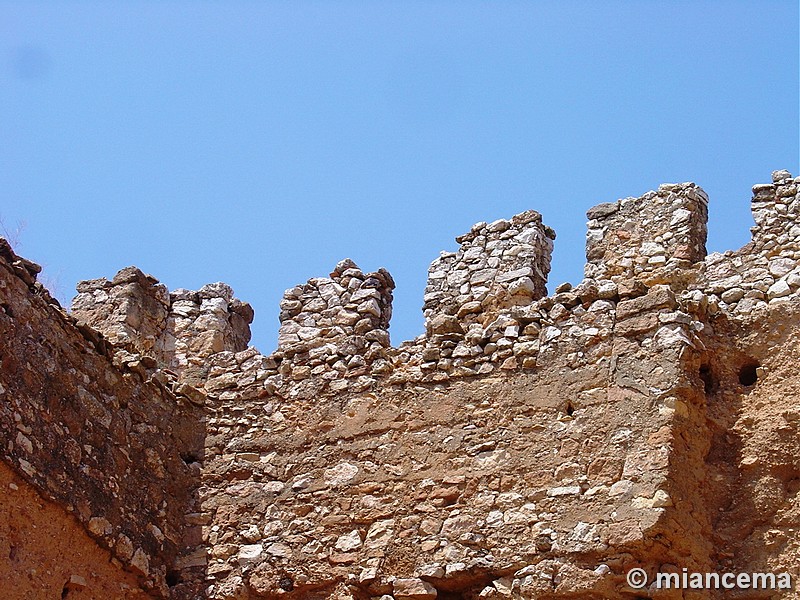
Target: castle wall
point(109, 443)
point(378, 488)
point(526, 478)
point(527, 446)
point(753, 463)
point(648, 238)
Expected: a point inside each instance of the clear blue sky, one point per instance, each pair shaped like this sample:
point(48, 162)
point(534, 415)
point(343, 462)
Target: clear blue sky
point(258, 143)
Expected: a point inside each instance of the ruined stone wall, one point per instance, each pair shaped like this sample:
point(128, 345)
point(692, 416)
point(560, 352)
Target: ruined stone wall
point(651, 238)
point(499, 264)
point(522, 480)
point(527, 446)
point(177, 330)
point(488, 461)
point(95, 432)
point(765, 271)
point(336, 325)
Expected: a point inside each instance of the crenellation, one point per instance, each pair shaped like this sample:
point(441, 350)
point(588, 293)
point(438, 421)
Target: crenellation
point(765, 271)
point(775, 210)
point(499, 265)
point(201, 324)
point(178, 330)
point(129, 310)
point(485, 305)
point(648, 238)
point(338, 325)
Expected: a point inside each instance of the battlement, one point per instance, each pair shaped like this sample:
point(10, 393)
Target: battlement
point(647, 237)
point(500, 264)
point(178, 330)
point(342, 321)
point(485, 305)
point(775, 210)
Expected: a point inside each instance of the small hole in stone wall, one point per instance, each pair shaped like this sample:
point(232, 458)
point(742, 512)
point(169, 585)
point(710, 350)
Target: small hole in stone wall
point(570, 409)
point(189, 458)
point(65, 592)
point(710, 383)
point(286, 583)
point(173, 578)
point(748, 374)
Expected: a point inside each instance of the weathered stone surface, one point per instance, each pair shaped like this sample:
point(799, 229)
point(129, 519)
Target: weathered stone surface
point(111, 442)
point(46, 553)
point(640, 237)
point(413, 589)
point(499, 265)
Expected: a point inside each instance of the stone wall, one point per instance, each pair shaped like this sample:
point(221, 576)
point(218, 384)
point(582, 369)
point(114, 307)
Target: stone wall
point(527, 446)
point(177, 330)
point(648, 238)
point(775, 210)
point(95, 432)
point(47, 553)
point(520, 480)
point(765, 271)
point(500, 264)
point(337, 325)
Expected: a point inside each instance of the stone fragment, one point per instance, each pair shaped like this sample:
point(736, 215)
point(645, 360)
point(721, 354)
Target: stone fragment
point(444, 324)
point(341, 474)
point(659, 296)
point(140, 562)
point(454, 527)
point(99, 526)
point(124, 547)
point(349, 541)
point(523, 287)
point(380, 534)
point(779, 289)
point(778, 176)
point(606, 290)
point(250, 553)
point(279, 550)
point(503, 586)
point(568, 490)
point(469, 308)
point(251, 534)
point(780, 266)
point(732, 295)
point(602, 210)
point(76, 582)
point(515, 274)
point(413, 589)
